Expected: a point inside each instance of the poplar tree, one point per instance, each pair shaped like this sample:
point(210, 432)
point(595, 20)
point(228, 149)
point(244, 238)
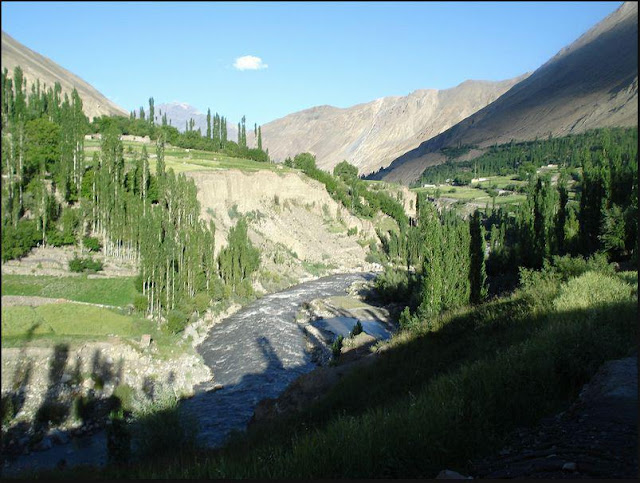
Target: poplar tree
point(244, 133)
point(151, 112)
point(477, 273)
point(561, 215)
point(208, 123)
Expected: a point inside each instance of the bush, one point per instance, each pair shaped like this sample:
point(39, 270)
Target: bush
point(357, 329)
point(569, 267)
point(84, 264)
point(176, 321)
point(579, 293)
point(201, 302)
point(140, 303)
point(57, 238)
point(336, 347)
point(407, 321)
point(17, 242)
point(126, 395)
point(91, 243)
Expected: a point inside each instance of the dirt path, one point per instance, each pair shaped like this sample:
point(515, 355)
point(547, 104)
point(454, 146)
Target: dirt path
point(597, 437)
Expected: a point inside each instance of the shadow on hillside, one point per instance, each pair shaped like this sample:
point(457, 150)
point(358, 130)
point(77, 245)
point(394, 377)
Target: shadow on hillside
point(224, 413)
point(552, 354)
point(69, 395)
point(470, 339)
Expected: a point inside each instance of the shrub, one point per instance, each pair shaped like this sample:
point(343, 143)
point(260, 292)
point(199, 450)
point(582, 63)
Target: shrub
point(357, 329)
point(57, 238)
point(569, 267)
point(579, 293)
point(91, 243)
point(406, 321)
point(201, 302)
point(125, 394)
point(336, 347)
point(176, 321)
point(17, 242)
point(140, 303)
point(352, 231)
point(84, 264)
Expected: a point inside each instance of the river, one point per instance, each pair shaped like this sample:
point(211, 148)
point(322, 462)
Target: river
point(255, 354)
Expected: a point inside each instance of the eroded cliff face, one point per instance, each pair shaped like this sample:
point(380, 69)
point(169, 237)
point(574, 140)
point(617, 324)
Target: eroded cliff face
point(300, 230)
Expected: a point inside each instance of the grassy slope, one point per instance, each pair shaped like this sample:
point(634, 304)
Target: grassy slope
point(445, 393)
point(181, 159)
point(109, 291)
point(68, 322)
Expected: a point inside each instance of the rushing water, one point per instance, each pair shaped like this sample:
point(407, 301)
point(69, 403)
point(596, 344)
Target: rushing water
point(255, 354)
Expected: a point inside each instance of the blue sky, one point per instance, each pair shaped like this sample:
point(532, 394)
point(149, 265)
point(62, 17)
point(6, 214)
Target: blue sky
point(337, 53)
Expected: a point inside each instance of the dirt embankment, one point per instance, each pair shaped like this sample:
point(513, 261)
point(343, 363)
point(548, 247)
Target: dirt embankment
point(300, 230)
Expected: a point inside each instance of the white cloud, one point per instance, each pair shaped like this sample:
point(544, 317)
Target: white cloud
point(249, 62)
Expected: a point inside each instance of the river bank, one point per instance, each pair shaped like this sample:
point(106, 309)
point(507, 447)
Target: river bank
point(88, 445)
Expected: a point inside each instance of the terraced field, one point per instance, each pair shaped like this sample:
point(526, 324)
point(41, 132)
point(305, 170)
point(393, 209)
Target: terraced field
point(181, 159)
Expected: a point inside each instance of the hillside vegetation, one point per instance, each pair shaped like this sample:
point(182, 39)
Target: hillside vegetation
point(447, 390)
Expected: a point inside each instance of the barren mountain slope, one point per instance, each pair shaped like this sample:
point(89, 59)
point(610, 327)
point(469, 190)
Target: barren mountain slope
point(591, 83)
point(371, 135)
point(36, 66)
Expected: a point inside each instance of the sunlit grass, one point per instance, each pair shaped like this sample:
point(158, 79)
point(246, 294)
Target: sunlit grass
point(107, 291)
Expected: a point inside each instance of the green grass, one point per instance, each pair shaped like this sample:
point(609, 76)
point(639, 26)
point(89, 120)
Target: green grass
point(386, 223)
point(108, 291)
point(66, 319)
point(182, 160)
point(50, 324)
point(471, 195)
point(316, 269)
point(444, 394)
point(501, 182)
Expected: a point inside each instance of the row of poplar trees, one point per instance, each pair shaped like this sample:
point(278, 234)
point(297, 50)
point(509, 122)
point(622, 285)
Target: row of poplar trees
point(448, 253)
point(150, 218)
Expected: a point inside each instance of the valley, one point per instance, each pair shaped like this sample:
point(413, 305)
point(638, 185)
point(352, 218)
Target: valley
point(442, 284)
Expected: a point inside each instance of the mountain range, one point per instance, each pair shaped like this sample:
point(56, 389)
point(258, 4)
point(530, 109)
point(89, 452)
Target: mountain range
point(36, 66)
point(591, 83)
point(373, 134)
point(179, 114)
